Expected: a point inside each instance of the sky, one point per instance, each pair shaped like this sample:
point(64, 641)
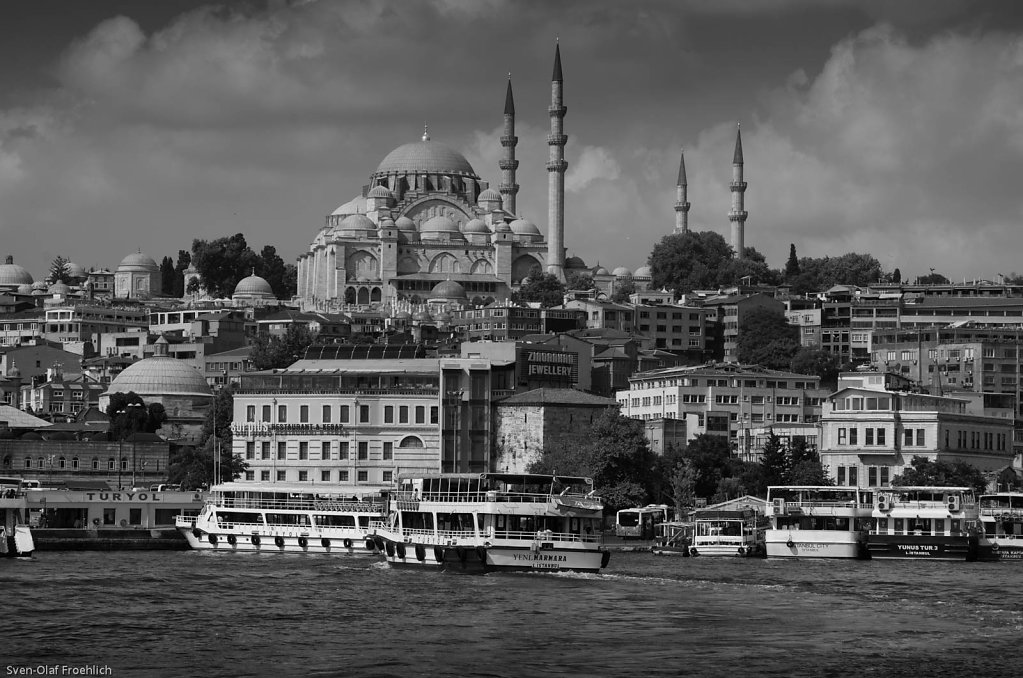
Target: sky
point(888, 128)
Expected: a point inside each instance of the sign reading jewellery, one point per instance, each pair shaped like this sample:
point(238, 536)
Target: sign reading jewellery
point(536, 364)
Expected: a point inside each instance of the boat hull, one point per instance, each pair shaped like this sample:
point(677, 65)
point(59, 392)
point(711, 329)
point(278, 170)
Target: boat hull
point(355, 544)
point(814, 544)
point(1001, 548)
point(730, 550)
point(922, 547)
point(495, 558)
point(19, 544)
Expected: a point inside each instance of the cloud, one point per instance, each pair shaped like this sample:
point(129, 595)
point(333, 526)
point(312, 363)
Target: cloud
point(594, 163)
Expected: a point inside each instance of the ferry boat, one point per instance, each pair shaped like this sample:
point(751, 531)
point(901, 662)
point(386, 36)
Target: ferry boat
point(1001, 520)
point(494, 522)
point(937, 523)
point(727, 533)
point(280, 518)
point(814, 521)
point(15, 534)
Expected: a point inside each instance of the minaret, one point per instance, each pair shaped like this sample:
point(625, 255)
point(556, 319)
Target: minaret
point(738, 215)
point(508, 163)
point(681, 199)
point(556, 167)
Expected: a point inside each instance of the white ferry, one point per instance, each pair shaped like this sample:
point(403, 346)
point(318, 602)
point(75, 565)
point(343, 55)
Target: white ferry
point(814, 521)
point(280, 518)
point(937, 523)
point(15, 534)
point(1001, 517)
point(727, 533)
point(494, 522)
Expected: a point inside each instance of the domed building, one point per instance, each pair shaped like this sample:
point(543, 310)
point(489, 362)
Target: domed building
point(254, 291)
point(137, 277)
point(13, 276)
point(426, 216)
point(179, 387)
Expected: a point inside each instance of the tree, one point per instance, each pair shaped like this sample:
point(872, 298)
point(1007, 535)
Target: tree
point(128, 414)
point(221, 263)
point(709, 455)
point(750, 270)
point(819, 362)
point(792, 265)
point(1009, 481)
point(941, 474)
point(849, 269)
point(686, 261)
point(623, 290)
point(544, 288)
point(184, 261)
point(683, 480)
point(167, 275)
point(805, 465)
point(192, 467)
point(273, 270)
point(60, 271)
point(579, 281)
point(766, 338)
point(571, 459)
point(932, 278)
point(774, 461)
point(896, 276)
point(622, 462)
point(272, 352)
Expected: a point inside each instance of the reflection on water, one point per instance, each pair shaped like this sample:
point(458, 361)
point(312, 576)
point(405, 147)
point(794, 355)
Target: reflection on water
point(219, 614)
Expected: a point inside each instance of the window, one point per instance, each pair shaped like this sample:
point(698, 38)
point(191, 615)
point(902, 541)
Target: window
point(343, 450)
point(325, 476)
point(344, 414)
point(388, 476)
point(266, 415)
point(303, 414)
point(250, 450)
point(363, 476)
point(363, 414)
point(303, 476)
point(250, 413)
point(250, 475)
point(303, 450)
point(282, 413)
point(363, 450)
point(403, 414)
point(880, 436)
point(841, 475)
point(868, 436)
point(420, 414)
point(74, 463)
point(920, 438)
point(326, 414)
point(841, 438)
point(853, 436)
point(282, 450)
point(124, 463)
point(95, 463)
point(907, 437)
point(282, 476)
point(325, 450)
point(265, 451)
point(434, 415)
point(871, 476)
point(110, 464)
point(884, 476)
point(388, 414)
point(388, 450)
point(852, 476)
point(342, 476)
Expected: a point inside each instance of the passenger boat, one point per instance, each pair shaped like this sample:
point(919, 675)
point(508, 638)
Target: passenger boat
point(1001, 520)
point(727, 533)
point(813, 521)
point(937, 523)
point(673, 538)
point(15, 534)
point(494, 522)
point(279, 518)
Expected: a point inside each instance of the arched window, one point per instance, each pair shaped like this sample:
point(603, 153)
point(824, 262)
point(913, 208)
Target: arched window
point(74, 463)
point(62, 463)
point(40, 463)
point(110, 464)
point(410, 441)
point(95, 463)
point(124, 463)
point(7, 461)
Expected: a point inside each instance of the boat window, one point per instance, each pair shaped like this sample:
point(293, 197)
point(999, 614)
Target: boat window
point(239, 517)
point(899, 527)
point(287, 519)
point(334, 520)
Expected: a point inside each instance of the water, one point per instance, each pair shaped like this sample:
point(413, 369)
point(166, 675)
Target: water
point(219, 614)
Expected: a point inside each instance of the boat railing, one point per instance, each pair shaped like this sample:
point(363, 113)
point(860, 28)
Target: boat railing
point(1003, 512)
point(442, 536)
point(361, 506)
point(483, 496)
point(184, 521)
point(232, 525)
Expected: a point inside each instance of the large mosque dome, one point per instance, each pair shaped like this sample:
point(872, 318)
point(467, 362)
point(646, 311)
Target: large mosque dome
point(162, 376)
point(253, 284)
point(425, 157)
point(137, 261)
point(13, 274)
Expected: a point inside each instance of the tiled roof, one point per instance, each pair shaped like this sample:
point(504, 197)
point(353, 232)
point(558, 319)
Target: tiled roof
point(557, 396)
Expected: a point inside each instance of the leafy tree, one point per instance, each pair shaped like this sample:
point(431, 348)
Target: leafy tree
point(896, 276)
point(766, 338)
point(60, 271)
point(752, 269)
point(709, 455)
point(289, 283)
point(819, 362)
point(192, 467)
point(932, 278)
point(941, 474)
point(128, 415)
point(729, 488)
point(623, 290)
point(792, 265)
point(177, 289)
point(194, 286)
point(774, 461)
point(1009, 481)
point(272, 352)
point(272, 269)
point(544, 288)
point(683, 479)
point(622, 460)
point(572, 459)
point(579, 282)
point(167, 275)
point(849, 269)
point(221, 263)
point(805, 465)
point(686, 261)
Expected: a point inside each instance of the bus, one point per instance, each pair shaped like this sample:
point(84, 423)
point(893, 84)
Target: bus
point(640, 522)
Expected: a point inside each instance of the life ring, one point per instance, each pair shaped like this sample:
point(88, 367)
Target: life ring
point(232, 540)
point(95, 521)
point(420, 552)
point(213, 539)
point(605, 558)
point(255, 540)
point(347, 542)
point(370, 546)
point(279, 541)
point(303, 542)
point(481, 553)
point(790, 543)
point(389, 548)
point(325, 543)
point(124, 523)
point(741, 551)
point(994, 548)
point(438, 554)
point(400, 550)
point(693, 552)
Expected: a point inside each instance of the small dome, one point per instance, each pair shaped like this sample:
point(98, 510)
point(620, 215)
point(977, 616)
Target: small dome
point(502, 227)
point(642, 272)
point(24, 288)
point(601, 271)
point(13, 274)
point(356, 205)
point(575, 262)
point(622, 272)
point(355, 223)
point(253, 285)
point(379, 191)
point(137, 260)
point(76, 271)
point(524, 227)
point(442, 317)
point(160, 375)
point(436, 227)
point(403, 315)
point(39, 286)
point(448, 289)
point(422, 316)
point(489, 195)
point(476, 226)
point(405, 224)
point(59, 288)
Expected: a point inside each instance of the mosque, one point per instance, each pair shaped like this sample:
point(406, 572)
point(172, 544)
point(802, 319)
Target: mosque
point(427, 220)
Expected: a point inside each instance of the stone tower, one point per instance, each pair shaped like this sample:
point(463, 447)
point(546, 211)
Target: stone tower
point(508, 164)
point(738, 214)
point(681, 198)
point(556, 167)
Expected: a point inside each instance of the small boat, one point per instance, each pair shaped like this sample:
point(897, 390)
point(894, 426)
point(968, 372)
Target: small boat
point(674, 538)
point(278, 518)
point(494, 522)
point(15, 535)
point(814, 521)
point(727, 533)
point(1001, 520)
point(932, 522)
